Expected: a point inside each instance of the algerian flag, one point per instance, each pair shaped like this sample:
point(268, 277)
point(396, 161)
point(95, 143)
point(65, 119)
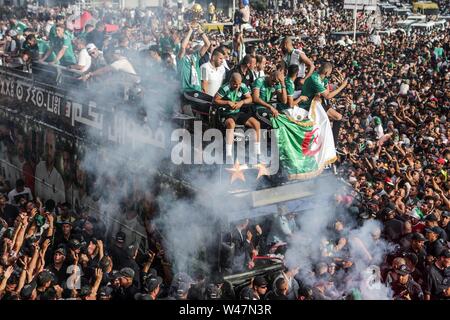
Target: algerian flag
point(295, 144)
point(417, 213)
point(307, 146)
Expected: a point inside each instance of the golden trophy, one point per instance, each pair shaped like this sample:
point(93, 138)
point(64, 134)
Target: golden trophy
point(195, 15)
point(197, 12)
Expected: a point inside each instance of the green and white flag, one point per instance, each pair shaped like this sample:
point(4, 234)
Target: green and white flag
point(307, 146)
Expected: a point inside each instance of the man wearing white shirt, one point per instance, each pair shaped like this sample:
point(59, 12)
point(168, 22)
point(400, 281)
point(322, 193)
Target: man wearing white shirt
point(298, 57)
point(119, 64)
point(84, 59)
point(49, 183)
point(19, 192)
point(213, 73)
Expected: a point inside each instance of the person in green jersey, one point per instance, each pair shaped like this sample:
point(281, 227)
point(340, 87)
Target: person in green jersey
point(315, 88)
point(31, 45)
point(52, 33)
point(234, 95)
point(188, 63)
point(17, 25)
point(291, 107)
point(62, 47)
point(316, 85)
point(44, 46)
point(290, 87)
point(265, 88)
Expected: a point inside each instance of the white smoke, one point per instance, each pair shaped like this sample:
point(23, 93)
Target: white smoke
point(312, 244)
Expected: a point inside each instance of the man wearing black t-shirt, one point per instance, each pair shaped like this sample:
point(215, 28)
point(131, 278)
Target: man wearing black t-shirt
point(445, 222)
point(435, 245)
point(245, 69)
point(436, 275)
point(59, 267)
point(127, 290)
point(393, 228)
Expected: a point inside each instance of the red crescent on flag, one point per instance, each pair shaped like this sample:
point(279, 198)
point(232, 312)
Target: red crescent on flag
point(305, 145)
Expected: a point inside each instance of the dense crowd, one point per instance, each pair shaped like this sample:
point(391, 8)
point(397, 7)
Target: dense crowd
point(389, 98)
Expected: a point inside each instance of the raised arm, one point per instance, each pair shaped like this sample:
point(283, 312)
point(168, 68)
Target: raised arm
point(148, 262)
point(98, 280)
point(206, 44)
point(308, 62)
point(185, 43)
point(21, 235)
point(23, 275)
point(6, 275)
point(33, 262)
point(330, 95)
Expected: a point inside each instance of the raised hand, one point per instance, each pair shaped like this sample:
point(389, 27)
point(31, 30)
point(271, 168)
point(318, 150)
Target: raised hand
point(98, 273)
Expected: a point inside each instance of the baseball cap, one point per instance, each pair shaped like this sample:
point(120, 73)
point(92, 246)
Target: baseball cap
point(441, 161)
point(61, 250)
point(153, 282)
point(259, 281)
point(403, 270)
point(434, 230)
point(418, 236)
point(75, 244)
point(63, 222)
point(445, 253)
point(431, 217)
point(446, 214)
point(152, 272)
point(90, 47)
point(127, 272)
point(181, 277)
point(142, 296)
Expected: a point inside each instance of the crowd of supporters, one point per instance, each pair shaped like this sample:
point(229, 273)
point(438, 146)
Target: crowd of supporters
point(390, 124)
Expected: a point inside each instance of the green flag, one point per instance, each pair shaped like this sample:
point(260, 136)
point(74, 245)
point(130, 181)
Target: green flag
point(418, 212)
point(295, 143)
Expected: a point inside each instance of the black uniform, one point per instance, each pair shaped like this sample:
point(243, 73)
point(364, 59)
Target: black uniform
point(411, 288)
point(434, 281)
point(435, 248)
